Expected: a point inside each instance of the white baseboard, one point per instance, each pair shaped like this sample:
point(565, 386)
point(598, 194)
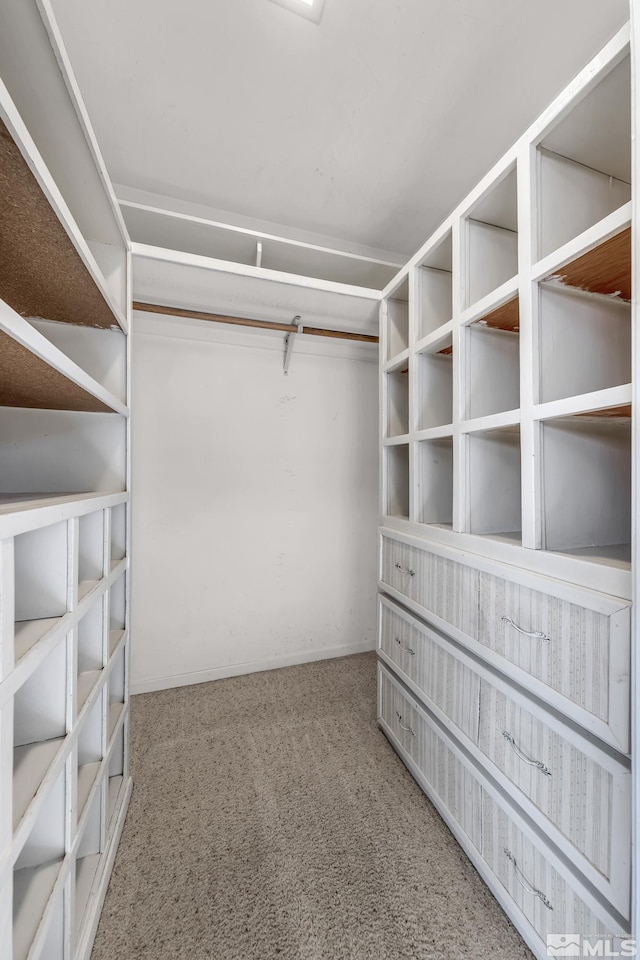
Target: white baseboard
point(254, 666)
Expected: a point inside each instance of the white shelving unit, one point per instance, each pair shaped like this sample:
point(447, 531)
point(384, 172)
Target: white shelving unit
point(507, 506)
point(64, 529)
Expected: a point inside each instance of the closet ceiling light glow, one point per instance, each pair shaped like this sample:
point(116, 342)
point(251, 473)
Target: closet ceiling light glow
point(310, 9)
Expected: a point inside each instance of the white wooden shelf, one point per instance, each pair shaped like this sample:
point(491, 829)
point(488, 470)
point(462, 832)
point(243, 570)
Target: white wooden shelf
point(32, 888)
point(31, 764)
point(87, 778)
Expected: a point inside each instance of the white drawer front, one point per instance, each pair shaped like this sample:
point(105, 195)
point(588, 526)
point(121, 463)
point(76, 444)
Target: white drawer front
point(442, 679)
point(587, 800)
point(544, 897)
point(446, 775)
point(447, 589)
point(564, 645)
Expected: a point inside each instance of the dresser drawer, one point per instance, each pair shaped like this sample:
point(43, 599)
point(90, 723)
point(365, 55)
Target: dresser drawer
point(426, 660)
point(543, 896)
point(578, 647)
point(447, 589)
point(436, 764)
point(583, 792)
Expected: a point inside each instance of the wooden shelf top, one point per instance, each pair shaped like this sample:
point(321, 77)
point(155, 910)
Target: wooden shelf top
point(41, 272)
point(28, 381)
point(606, 269)
point(505, 317)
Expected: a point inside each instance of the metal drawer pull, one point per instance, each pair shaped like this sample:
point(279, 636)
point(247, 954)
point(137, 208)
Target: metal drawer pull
point(406, 649)
point(399, 567)
point(406, 729)
point(534, 634)
point(522, 756)
point(520, 877)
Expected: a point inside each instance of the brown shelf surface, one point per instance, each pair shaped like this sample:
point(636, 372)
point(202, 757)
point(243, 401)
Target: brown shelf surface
point(28, 381)
point(606, 269)
point(504, 317)
point(41, 272)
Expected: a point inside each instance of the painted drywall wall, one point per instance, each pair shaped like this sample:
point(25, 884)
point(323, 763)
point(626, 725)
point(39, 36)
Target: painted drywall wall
point(254, 502)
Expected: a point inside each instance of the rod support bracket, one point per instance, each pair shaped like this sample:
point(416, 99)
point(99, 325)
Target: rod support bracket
point(288, 343)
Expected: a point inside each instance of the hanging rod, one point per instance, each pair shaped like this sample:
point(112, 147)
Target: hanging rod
point(247, 322)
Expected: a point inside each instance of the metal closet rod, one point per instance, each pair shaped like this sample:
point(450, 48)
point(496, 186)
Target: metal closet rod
point(247, 322)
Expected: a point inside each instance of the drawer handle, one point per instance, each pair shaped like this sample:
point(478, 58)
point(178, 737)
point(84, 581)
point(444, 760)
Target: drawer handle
point(408, 650)
point(534, 634)
point(406, 729)
point(522, 756)
point(399, 567)
point(522, 880)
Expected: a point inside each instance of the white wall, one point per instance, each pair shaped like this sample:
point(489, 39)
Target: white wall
point(254, 502)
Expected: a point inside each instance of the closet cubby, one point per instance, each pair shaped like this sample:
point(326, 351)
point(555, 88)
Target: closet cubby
point(396, 317)
point(117, 605)
point(435, 289)
point(435, 481)
point(494, 483)
point(586, 485)
point(117, 680)
point(40, 703)
point(118, 533)
point(90, 752)
point(398, 402)
point(90, 551)
point(40, 572)
point(32, 890)
point(90, 643)
point(493, 362)
point(397, 480)
point(46, 841)
point(435, 386)
point(492, 240)
point(584, 162)
point(87, 859)
point(584, 342)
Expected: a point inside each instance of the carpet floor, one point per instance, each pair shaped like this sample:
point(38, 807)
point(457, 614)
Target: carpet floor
point(270, 818)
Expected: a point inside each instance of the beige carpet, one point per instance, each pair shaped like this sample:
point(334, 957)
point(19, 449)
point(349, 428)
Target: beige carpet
point(270, 818)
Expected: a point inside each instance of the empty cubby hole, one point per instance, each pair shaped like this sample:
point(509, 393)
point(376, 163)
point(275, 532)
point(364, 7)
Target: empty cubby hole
point(90, 550)
point(493, 362)
point(397, 402)
point(494, 483)
point(397, 480)
point(397, 320)
point(584, 162)
point(435, 289)
point(435, 481)
point(435, 387)
point(492, 247)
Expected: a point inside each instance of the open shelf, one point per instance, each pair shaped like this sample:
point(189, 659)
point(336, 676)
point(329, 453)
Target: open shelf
point(118, 532)
point(117, 679)
point(41, 574)
point(91, 639)
point(117, 604)
point(46, 840)
point(87, 774)
point(31, 762)
point(397, 480)
point(28, 633)
point(114, 788)
point(435, 481)
point(90, 550)
point(435, 386)
point(493, 362)
point(605, 269)
point(40, 703)
point(584, 342)
point(586, 485)
point(32, 889)
point(90, 752)
point(88, 859)
point(398, 402)
point(585, 162)
point(57, 286)
point(435, 289)
point(492, 240)
point(397, 320)
point(494, 483)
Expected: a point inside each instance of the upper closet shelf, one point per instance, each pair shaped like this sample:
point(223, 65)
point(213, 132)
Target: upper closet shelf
point(20, 512)
point(35, 373)
point(48, 269)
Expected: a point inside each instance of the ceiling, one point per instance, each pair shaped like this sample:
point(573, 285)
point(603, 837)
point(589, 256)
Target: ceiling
point(367, 128)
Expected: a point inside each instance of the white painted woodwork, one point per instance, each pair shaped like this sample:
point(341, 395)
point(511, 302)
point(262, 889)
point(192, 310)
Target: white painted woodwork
point(397, 480)
point(493, 371)
point(398, 403)
point(397, 323)
point(435, 299)
point(584, 342)
point(586, 483)
point(494, 486)
point(492, 258)
point(61, 551)
point(434, 481)
point(540, 441)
